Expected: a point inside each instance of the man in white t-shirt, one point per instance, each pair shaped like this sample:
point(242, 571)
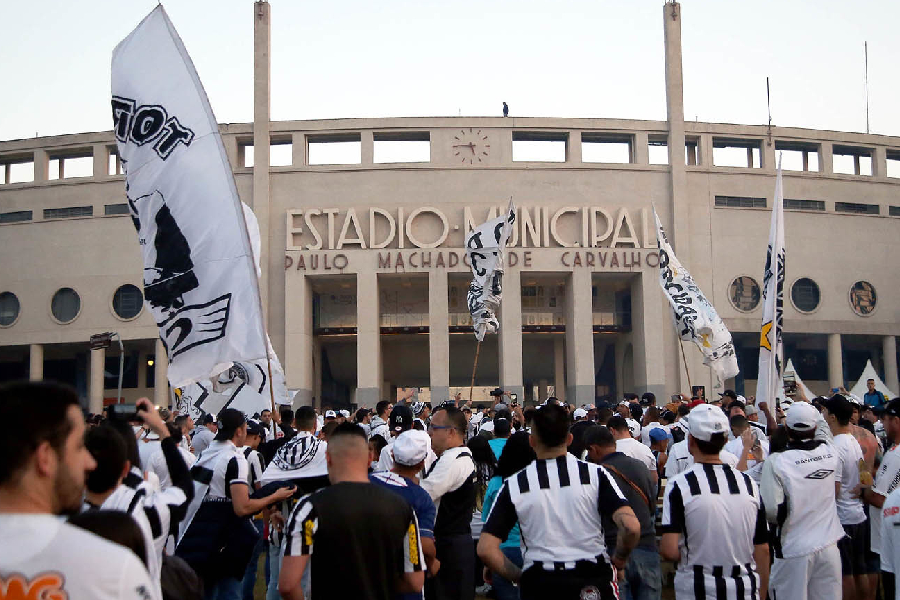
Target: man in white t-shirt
point(629, 446)
point(41, 477)
point(680, 457)
point(888, 476)
point(890, 544)
point(756, 452)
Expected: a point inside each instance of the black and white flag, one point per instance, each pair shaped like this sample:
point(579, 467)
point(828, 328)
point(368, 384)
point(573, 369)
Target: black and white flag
point(200, 283)
point(769, 384)
point(485, 246)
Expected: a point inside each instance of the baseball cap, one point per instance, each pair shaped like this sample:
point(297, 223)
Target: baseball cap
point(401, 418)
point(579, 413)
point(634, 428)
point(411, 447)
point(741, 399)
point(255, 428)
point(801, 416)
point(418, 407)
point(892, 408)
point(750, 410)
point(500, 406)
point(330, 414)
point(854, 399)
point(345, 414)
point(706, 420)
point(648, 398)
point(658, 434)
point(229, 420)
point(730, 394)
point(207, 419)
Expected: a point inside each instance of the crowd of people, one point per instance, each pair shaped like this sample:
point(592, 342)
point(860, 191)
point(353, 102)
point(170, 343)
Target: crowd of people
point(729, 499)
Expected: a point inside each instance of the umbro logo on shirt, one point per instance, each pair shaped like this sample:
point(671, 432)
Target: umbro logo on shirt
point(820, 474)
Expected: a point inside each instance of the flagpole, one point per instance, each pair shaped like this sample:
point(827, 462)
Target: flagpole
point(686, 370)
point(474, 368)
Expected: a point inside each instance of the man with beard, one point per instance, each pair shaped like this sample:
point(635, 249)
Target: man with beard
point(42, 476)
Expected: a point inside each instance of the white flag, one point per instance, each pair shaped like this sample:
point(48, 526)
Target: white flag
point(199, 278)
point(485, 246)
point(769, 383)
point(696, 320)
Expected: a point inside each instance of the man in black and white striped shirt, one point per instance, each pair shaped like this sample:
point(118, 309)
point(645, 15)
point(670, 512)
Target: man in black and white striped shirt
point(713, 522)
point(558, 502)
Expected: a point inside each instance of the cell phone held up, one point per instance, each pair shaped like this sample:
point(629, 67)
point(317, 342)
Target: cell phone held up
point(790, 384)
point(124, 412)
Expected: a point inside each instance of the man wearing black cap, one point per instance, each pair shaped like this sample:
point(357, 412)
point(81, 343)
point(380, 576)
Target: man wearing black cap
point(401, 420)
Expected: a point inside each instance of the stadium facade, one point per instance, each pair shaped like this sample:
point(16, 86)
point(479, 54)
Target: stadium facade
point(365, 276)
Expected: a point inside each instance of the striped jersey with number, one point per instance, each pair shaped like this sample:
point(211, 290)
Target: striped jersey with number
point(717, 511)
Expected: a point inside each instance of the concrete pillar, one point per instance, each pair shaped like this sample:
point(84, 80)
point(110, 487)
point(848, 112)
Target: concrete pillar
point(317, 375)
point(262, 31)
point(879, 163)
point(100, 152)
point(368, 340)
point(889, 352)
point(41, 166)
point(640, 152)
point(573, 147)
point(299, 362)
point(36, 362)
point(580, 388)
point(648, 325)
point(675, 116)
point(95, 389)
point(161, 375)
point(298, 149)
point(438, 337)
point(510, 341)
point(367, 147)
point(826, 158)
point(559, 367)
point(835, 361)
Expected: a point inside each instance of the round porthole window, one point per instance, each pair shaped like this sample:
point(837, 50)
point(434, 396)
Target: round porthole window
point(744, 293)
point(863, 298)
point(805, 295)
point(66, 305)
point(9, 309)
point(128, 302)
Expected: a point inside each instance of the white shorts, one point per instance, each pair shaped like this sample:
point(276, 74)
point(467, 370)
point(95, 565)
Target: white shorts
point(815, 576)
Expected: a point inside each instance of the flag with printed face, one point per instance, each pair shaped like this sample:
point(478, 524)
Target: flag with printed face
point(696, 320)
point(769, 383)
point(200, 283)
point(485, 246)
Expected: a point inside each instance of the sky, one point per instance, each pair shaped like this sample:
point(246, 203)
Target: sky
point(571, 58)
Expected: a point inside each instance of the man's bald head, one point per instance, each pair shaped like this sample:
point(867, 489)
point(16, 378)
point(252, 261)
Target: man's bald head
point(347, 453)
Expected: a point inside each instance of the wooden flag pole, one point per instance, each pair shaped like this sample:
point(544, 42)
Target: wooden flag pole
point(686, 370)
point(474, 368)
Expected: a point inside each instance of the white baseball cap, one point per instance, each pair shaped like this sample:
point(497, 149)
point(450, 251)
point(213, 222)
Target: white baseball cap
point(801, 416)
point(706, 420)
point(411, 447)
point(634, 428)
point(330, 414)
point(579, 413)
point(345, 414)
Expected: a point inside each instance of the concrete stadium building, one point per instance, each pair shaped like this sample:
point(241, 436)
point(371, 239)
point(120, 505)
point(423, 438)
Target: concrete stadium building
point(364, 276)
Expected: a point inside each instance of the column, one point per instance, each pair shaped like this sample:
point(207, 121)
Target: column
point(141, 369)
point(573, 147)
point(368, 340)
point(36, 362)
point(161, 375)
point(262, 33)
point(299, 342)
point(438, 337)
point(647, 323)
point(580, 388)
point(542, 389)
point(367, 148)
point(835, 361)
point(889, 352)
point(511, 334)
point(675, 121)
point(95, 389)
point(559, 367)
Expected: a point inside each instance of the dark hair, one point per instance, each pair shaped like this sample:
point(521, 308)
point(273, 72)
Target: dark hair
point(229, 421)
point(629, 396)
point(265, 410)
point(418, 425)
point(551, 425)
point(305, 418)
point(378, 440)
point(604, 415)
point(113, 525)
point(599, 436)
point(617, 423)
point(683, 410)
point(131, 450)
point(528, 413)
point(287, 415)
point(637, 413)
point(795, 435)
point(455, 418)
point(361, 414)
point(653, 413)
point(381, 407)
point(502, 428)
point(779, 439)
point(736, 403)
point(108, 449)
point(714, 445)
point(328, 429)
point(348, 429)
point(739, 421)
point(517, 454)
point(181, 421)
point(840, 407)
point(481, 451)
point(36, 413)
point(867, 425)
point(174, 432)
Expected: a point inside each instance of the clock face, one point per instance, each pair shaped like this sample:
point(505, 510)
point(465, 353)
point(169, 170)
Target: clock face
point(470, 146)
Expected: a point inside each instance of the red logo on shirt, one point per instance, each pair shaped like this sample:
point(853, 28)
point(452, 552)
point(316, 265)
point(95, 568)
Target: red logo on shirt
point(891, 511)
point(43, 586)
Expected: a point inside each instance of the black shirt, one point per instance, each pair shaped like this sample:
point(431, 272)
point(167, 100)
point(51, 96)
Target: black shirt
point(364, 533)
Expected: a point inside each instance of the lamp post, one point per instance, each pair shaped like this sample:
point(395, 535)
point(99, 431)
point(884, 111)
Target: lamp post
point(103, 341)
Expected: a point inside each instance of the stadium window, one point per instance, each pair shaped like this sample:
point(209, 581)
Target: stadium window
point(18, 171)
point(128, 302)
point(849, 160)
point(792, 204)
point(115, 209)
point(736, 153)
point(658, 150)
point(606, 148)
point(17, 216)
point(739, 202)
point(805, 295)
point(857, 208)
point(114, 165)
point(539, 146)
point(65, 305)
point(334, 149)
point(406, 147)
point(692, 151)
point(893, 163)
point(71, 166)
point(69, 212)
point(281, 154)
point(894, 211)
point(245, 154)
point(797, 156)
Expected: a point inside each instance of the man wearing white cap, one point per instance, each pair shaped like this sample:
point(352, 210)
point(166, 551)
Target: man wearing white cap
point(713, 523)
point(798, 491)
point(680, 456)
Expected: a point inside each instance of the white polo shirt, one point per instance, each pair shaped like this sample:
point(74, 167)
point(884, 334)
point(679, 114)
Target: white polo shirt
point(680, 460)
point(638, 451)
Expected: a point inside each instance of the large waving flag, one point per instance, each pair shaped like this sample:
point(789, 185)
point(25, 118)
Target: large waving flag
point(696, 320)
point(199, 277)
point(485, 246)
point(769, 383)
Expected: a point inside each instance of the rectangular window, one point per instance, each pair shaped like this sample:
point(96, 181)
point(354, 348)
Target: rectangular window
point(796, 156)
point(539, 146)
point(114, 165)
point(739, 202)
point(281, 154)
point(18, 172)
point(894, 211)
point(15, 217)
point(893, 163)
point(337, 149)
point(691, 151)
point(115, 209)
point(791, 204)
point(414, 147)
point(658, 151)
point(68, 167)
point(245, 155)
point(68, 212)
point(736, 153)
point(856, 208)
point(850, 160)
point(606, 148)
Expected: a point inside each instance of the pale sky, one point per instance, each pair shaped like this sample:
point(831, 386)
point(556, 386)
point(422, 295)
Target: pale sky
point(577, 58)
